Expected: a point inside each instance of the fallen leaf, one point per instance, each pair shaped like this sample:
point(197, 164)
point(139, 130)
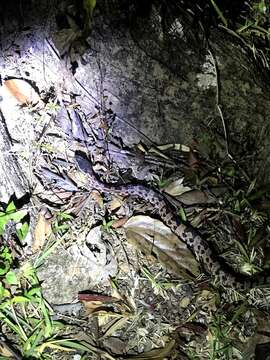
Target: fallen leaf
point(115, 203)
point(92, 306)
point(151, 236)
point(194, 197)
point(77, 204)
point(176, 188)
point(21, 91)
point(42, 230)
point(6, 351)
point(119, 223)
point(193, 160)
point(98, 198)
point(95, 302)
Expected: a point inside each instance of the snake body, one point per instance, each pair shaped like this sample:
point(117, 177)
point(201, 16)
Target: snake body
point(212, 265)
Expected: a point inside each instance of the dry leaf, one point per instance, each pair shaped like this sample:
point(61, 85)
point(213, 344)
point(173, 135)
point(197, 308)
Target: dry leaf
point(115, 203)
point(152, 236)
point(96, 302)
point(92, 306)
point(176, 188)
point(42, 230)
point(195, 197)
point(77, 204)
point(119, 223)
point(192, 197)
point(6, 351)
point(193, 160)
point(21, 91)
point(98, 198)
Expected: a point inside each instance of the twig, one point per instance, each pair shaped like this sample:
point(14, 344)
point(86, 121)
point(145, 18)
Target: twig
point(224, 124)
point(225, 128)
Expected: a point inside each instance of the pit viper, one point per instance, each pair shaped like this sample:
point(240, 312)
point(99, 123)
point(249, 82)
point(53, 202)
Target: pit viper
point(212, 265)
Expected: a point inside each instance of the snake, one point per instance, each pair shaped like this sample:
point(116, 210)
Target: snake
point(212, 265)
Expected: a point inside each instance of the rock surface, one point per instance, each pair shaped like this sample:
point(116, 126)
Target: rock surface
point(161, 85)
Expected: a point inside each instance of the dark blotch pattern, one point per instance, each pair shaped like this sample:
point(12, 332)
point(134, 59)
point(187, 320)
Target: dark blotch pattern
point(187, 234)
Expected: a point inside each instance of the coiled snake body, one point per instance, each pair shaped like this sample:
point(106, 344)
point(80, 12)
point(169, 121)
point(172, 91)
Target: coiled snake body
point(213, 266)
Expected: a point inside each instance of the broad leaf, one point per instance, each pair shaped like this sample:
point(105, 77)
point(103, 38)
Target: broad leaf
point(11, 278)
point(152, 236)
point(22, 231)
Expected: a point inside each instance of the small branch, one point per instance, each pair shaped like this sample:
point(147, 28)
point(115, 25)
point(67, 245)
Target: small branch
point(225, 128)
point(224, 124)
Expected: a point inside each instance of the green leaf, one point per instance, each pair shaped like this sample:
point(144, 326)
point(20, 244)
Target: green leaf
point(64, 216)
point(72, 344)
point(10, 208)
point(22, 231)
point(237, 206)
point(3, 292)
point(19, 299)
point(262, 7)
point(251, 186)
point(30, 346)
point(18, 215)
point(4, 267)
point(182, 214)
point(57, 325)
point(29, 272)
point(46, 253)
point(107, 225)
point(61, 228)
point(89, 6)
point(5, 254)
point(230, 171)
point(36, 291)
point(11, 278)
point(10, 214)
point(219, 13)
